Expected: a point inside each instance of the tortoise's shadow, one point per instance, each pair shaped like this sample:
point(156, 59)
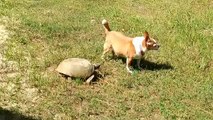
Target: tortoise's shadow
point(148, 65)
point(97, 77)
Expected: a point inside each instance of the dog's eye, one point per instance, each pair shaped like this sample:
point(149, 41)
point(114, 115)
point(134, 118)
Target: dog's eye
point(149, 43)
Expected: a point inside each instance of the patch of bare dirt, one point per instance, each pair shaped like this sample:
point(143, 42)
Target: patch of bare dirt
point(5, 65)
point(16, 93)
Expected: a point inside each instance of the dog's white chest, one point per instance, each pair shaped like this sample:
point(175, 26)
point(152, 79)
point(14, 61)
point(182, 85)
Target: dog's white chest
point(137, 42)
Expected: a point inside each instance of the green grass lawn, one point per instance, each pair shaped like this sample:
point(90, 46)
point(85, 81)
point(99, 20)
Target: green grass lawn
point(177, 81)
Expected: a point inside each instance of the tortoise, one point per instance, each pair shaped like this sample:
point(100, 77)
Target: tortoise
point(77, 68)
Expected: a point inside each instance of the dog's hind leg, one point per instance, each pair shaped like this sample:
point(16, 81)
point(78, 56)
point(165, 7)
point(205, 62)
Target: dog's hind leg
point(107, 48)
point(113, 54)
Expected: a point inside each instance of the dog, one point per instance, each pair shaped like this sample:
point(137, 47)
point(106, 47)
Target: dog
point(131, 48)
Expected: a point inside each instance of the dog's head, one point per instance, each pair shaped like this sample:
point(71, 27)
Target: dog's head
point(150, 43)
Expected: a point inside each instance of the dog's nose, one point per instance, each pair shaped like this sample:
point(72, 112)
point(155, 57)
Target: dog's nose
point(158, 46)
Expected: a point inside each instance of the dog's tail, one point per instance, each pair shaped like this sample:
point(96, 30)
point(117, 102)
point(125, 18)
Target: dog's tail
point(106, 26)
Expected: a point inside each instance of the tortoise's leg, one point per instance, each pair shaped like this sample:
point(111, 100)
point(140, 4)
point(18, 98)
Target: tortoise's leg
point(64, 76)
point(69, 78)
point(88, 81)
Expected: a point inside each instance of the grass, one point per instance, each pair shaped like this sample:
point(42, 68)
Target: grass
point(176, 82)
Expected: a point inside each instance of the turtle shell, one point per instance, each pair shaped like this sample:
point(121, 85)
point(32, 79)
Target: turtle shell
point(76, 67)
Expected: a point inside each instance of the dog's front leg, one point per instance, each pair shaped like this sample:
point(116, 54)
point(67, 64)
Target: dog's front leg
point(138, 64)
point(128, 62)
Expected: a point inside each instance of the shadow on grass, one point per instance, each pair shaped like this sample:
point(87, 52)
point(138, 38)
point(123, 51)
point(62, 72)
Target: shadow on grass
point(12, 115)
point(148, 65)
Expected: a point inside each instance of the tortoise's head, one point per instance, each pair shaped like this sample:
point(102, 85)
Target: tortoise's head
point(96, 66)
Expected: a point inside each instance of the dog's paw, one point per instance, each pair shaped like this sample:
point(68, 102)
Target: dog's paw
point(140, 68)
point(102, 57)
point(130, 71)
point(142, 71)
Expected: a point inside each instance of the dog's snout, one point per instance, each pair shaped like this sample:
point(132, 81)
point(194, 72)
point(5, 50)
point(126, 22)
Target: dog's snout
point(158, 46)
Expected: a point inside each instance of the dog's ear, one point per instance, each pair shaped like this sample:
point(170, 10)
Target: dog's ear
point(146, 36)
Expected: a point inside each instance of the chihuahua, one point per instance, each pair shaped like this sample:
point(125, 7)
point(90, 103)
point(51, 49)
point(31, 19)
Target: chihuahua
point(131, 48)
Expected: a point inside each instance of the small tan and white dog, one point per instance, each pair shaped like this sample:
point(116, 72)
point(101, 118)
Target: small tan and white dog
point(131, 48)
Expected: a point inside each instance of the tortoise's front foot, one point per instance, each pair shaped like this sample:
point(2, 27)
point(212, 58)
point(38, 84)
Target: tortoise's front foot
point(88, 81)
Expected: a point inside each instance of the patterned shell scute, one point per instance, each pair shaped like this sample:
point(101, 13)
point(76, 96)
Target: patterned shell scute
point(76, 67)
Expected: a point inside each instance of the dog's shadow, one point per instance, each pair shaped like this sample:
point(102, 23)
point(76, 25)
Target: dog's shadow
point(148, 65)
point(12, 115)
